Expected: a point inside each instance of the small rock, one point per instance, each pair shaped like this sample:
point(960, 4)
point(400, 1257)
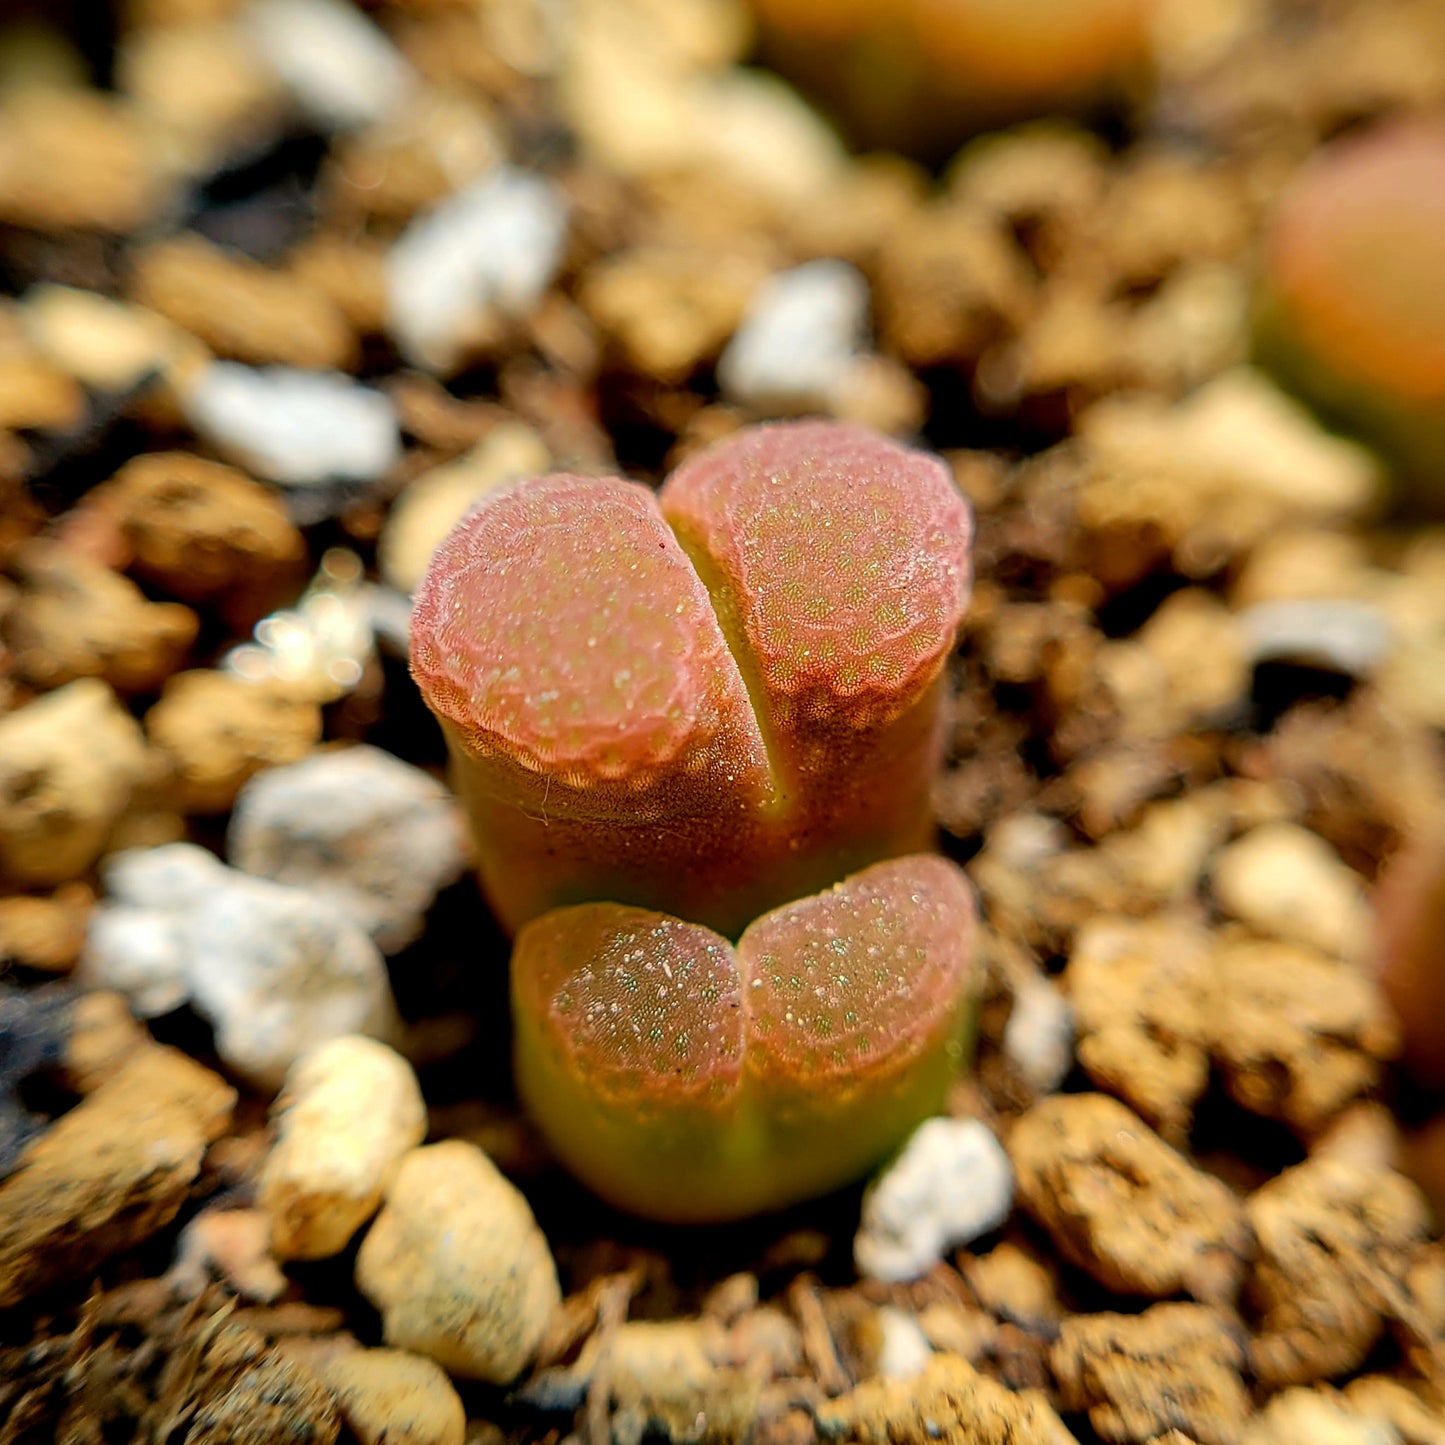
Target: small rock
point(1175, 1366)
point(245, 1394)
point(348, 1112)
point(74, 158)
point(391, 1397)
point(337, 65)
point(1320, 1418)
point(1298, 1036)
point(1286, 882)
point(300, 428)
point(240, 309)
point(45, 934)
point(457, 1266)
point(217, 730)
point(371, 834)
point(905, 1351)
point(69, 764)
point(1341, 635)
point(1122, 1205)
point(1335, 1243)
point(105, 1176)
point(1198, 643)
point(488, 251)
point(801, 336)
point(1138, 987)
point(104, 1036)
point(949, 1401)
point(275, 969)
point(75, 618)
point(233, 1244)
point(437, 500)
point(1038, 1039)
point(951, 1184)
point(199, 530)
point(103, 343)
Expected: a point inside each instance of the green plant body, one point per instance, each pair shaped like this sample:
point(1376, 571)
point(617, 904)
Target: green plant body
point(709, 701)
point(1351, 312)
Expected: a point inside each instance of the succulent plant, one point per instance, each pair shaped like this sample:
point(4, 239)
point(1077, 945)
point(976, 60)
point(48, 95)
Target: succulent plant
point(926, 73)
point(707, 701)
point(1351, 313)
point(688, 1080)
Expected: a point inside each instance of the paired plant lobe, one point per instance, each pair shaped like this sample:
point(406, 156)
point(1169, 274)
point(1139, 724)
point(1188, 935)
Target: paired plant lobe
point(838, 561)
point(710, 705)
point(643, 1009)
point(850, 986)
point(563, 630)
point(684, 1079)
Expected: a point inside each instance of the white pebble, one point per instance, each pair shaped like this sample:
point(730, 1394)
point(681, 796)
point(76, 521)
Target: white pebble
point(337, 66)
point(348, 1112)
point(1039, 1036)
point(905, 1350)
point(491, 249)
point(373, 835)
point(276, 970)
point(1286, 882)
point(1341, 634)
point(457, 1266)
point(296, 427)
point(799, 340)
point(952, 1183)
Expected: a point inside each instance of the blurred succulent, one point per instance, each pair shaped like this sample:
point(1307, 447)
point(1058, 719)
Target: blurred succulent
point(1352, 313)
point(688, 1080)
point(708, 701)
point(926, 73)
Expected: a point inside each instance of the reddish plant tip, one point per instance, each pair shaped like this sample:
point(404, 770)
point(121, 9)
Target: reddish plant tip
point(646, 1009)
point(562, 626)
point(1356, 253)
point(857, 981)
point(841, 558)
point(1410, 952)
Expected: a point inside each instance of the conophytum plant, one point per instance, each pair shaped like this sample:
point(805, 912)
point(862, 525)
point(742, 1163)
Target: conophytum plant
point(706, 714)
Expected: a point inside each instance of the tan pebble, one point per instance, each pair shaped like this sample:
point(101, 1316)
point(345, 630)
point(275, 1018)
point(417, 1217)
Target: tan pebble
point(1122, 1205)
point(75, 618)
point(233, 1244)
point(949, 1401)
point(104, 1177)
point(348, 1112)
point(243, 310)
point(437, 500)
point(1198, 642)
point(392, 1397)
point(74, 158)
point(69, 763)
point(160, 1072)
point(457, 1266)
point(107, 344)
point(351, 271)
point(104, 1035)
point(1335, 1242)
point(1173, 1366)
point(37, 396)
point(244, 1394)
point(1286, 882)
point(45, 934)
point(1321, 1417)
point(200, 529)
point(217, 730)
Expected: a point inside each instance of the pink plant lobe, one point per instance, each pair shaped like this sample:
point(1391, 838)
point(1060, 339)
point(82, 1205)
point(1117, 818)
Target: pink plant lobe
point(858, 980)
point(562, 626)
point(840, 557)
point(647, 1008)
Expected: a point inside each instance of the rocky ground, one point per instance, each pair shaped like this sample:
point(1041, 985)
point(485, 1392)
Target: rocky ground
point(279, 309)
